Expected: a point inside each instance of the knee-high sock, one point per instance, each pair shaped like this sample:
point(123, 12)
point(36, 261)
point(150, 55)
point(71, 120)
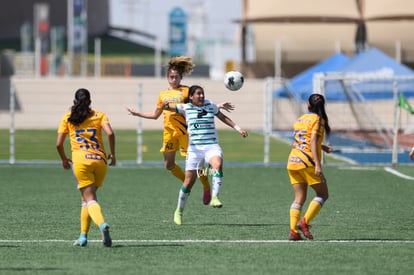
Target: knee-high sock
point(204, 182)
point(182, 197)
point(294, 213)
point(217, 182)
point(178, 172)
point(313, 209)
point(95, 212)
point(85, 219)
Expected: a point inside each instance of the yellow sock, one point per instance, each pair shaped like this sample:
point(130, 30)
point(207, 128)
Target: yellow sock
point(178, 172)
point(85, 219)
point(95, 212)
point(204, 182)
point(313, 209)
point(294, 213)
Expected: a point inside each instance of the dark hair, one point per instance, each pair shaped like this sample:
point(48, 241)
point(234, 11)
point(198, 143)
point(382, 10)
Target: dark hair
point(81, 107)
point(317, 105)
point(191, 92)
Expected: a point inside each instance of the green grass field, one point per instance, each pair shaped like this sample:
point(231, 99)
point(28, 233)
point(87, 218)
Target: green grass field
point(40, 145)
point(366, 226)
point(32, 145)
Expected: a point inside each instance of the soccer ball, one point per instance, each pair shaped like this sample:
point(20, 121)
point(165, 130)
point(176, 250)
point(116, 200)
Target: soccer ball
point(233, 80)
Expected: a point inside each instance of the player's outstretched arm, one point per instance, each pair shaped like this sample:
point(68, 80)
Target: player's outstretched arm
point(154, 115)
point(226, 120)
point(228, 106)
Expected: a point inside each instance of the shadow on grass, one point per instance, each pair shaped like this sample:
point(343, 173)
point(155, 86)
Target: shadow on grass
point(117, 246)
point(30, 269)
point(238, 224)
point(8, 246)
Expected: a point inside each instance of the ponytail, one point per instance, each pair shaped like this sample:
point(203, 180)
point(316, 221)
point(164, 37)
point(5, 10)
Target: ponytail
point(317, 105)
point(81, 107)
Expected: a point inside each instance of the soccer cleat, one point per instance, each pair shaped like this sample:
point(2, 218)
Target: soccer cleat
point(178, 214)
point(294, 236)
point(206, 196)
point(82, 241)
point(215, 202)
point(304, 227)
point(106, 238)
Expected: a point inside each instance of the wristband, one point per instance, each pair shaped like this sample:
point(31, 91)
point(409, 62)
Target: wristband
point(237, 128)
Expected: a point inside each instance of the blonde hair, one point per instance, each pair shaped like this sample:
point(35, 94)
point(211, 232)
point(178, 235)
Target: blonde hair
point(183, 64)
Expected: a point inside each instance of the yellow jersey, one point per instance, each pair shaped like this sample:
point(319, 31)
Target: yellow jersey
point(173, 121)
point(301, 156)
point(85, 139)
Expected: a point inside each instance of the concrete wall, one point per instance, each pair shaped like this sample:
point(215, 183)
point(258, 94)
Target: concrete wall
point(41, 102)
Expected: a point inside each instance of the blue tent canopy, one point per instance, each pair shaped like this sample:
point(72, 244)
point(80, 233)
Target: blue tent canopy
point(370, 62)
point(374, 60)
point(300, 87)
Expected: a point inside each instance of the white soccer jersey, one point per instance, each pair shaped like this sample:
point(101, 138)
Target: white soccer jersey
point(200, 122)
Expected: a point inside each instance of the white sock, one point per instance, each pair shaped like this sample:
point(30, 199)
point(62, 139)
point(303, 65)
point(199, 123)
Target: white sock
point(217, 181)
point(182, 199)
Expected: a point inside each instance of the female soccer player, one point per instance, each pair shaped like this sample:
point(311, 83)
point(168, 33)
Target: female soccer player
point(203, 144)
point(304, 165)
point(175, 135)
point(89, 160)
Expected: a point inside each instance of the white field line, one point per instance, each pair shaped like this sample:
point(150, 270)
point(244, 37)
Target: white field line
point(387, 169)
point(398, 174)
point(368, 168)
point(216, 241)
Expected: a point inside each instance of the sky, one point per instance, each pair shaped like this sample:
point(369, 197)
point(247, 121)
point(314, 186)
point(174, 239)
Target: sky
point(152, 16)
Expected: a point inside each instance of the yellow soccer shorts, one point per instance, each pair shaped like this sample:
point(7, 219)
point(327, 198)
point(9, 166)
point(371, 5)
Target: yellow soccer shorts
point(173, 143)
point(305, 175)
point(87, 174)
